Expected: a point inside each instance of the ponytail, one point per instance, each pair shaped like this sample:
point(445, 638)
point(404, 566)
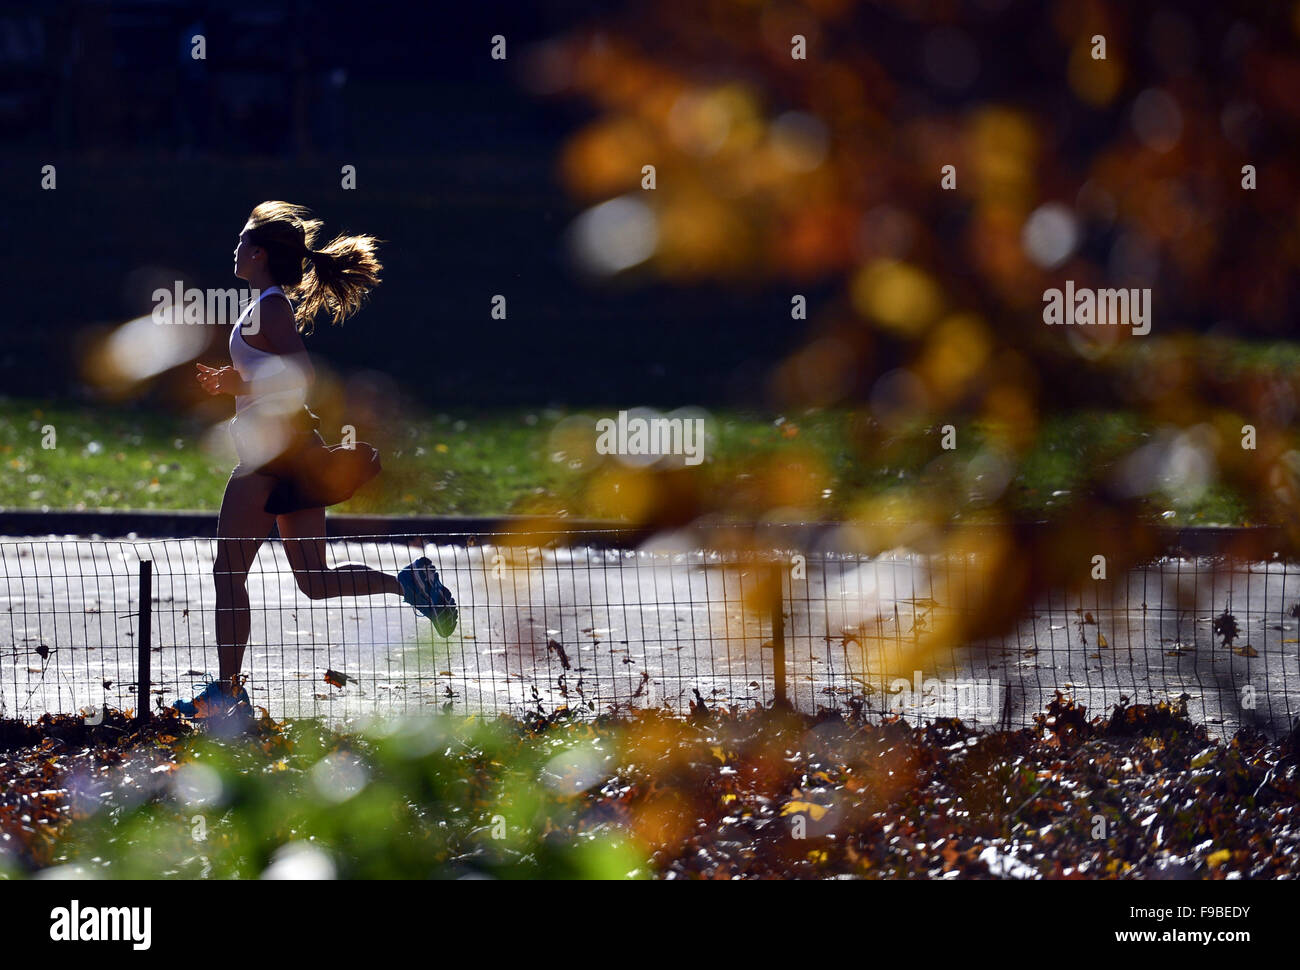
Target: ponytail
point(341, 275)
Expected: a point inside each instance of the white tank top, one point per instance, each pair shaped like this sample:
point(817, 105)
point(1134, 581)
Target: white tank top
point(254, 365)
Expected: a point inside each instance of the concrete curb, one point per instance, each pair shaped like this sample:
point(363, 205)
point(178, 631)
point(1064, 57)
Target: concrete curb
point(1258, 543)
point(169, 524)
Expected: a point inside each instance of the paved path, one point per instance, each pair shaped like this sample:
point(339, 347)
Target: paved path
point(603, 629)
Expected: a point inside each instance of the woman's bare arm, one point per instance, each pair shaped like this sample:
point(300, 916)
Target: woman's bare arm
point(281, 332)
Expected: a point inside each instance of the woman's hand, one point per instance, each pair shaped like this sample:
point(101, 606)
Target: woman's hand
point(219, 380)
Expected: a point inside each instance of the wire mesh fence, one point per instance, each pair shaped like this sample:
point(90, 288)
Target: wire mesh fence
point(577, 623)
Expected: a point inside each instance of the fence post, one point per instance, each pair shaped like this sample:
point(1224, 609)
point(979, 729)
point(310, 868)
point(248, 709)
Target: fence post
point(782, 698)
point(146, 619)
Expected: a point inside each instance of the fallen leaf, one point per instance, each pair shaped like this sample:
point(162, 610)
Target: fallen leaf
point(554, 646)
point(809, 808)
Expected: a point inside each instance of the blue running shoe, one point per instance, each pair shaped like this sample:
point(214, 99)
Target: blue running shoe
point(216, 701)
point(422, 589)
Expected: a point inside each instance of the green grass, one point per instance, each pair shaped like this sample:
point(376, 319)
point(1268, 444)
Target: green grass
point(102, 459)
point(823, 463)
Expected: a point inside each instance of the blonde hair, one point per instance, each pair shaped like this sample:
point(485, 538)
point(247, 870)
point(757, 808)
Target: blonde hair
point(341, 274)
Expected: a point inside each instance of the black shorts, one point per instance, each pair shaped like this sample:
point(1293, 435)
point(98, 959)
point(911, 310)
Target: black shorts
point(308, 474)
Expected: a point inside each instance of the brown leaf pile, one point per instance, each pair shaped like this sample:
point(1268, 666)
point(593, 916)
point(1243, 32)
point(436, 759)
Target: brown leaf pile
point(55, 770)
point(1143, 793)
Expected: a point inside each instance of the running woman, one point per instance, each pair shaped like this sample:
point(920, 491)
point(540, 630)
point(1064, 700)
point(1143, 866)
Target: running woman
point(283, 464)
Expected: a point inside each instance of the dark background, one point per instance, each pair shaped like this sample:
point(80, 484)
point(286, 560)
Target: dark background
point(160, 158)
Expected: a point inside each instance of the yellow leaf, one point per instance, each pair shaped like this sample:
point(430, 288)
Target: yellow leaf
point(1216, 859)
point(1101, 640)
point(728, 798)
point(1245, 651)
point(817, 855)
point(809, 808)
point(717, 753)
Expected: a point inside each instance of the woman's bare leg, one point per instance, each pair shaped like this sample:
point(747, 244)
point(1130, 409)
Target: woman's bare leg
point(243, 520)
point(302, 532)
